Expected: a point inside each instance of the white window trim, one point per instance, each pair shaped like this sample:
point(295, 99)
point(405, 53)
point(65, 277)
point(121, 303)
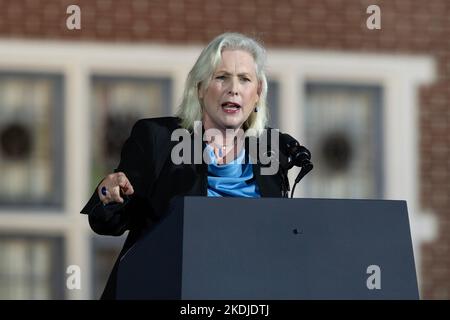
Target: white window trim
point(398, 75)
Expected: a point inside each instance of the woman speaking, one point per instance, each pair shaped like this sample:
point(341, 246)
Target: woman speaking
point(225, 93)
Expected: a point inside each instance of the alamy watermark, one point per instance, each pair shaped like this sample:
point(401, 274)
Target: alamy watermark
point(374, 280)
point(73, 281)
point(374, 20)
point(267, 152)
point(73, 22)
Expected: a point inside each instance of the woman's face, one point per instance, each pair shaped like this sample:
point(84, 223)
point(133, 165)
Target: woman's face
point(233, 91)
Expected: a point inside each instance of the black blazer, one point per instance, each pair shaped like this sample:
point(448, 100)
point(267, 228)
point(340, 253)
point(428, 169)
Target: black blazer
point(145, 160)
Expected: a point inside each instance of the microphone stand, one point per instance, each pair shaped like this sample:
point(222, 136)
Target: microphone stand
point(285, 183)
point(307, 166)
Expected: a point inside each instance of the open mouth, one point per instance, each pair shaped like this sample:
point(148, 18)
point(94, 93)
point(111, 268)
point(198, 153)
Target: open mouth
point(231, 107)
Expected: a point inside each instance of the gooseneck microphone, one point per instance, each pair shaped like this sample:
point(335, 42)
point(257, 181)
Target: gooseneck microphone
point(296, 155)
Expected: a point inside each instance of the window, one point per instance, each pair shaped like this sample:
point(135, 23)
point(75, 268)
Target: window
point(31, 139)
point(117, 102)
point(344, 131)
point(31, 267)
point(105, 252)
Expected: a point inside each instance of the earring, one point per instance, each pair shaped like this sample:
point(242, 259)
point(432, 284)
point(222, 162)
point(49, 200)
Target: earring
point(256, 109)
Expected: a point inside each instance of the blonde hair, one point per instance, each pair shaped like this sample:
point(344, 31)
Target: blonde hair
point(190, 109)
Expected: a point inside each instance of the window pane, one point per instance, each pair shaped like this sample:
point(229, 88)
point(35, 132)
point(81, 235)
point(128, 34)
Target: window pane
point(117, 104)
point(106, 250)
point(343, 132)
point(31, 139)
point(31, 268)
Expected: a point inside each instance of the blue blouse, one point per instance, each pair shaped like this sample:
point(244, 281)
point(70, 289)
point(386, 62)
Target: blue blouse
point(234, 179)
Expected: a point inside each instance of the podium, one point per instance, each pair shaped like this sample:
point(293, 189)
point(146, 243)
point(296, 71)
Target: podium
point(273, 249)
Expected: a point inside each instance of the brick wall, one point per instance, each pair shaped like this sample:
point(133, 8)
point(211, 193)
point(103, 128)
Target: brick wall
point(408, 26)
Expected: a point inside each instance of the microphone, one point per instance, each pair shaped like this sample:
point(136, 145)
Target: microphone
point(296, 155)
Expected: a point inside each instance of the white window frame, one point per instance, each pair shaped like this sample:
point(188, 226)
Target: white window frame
point(398, 75)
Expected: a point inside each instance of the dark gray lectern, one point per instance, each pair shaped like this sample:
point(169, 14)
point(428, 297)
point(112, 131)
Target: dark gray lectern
point(240, 248)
